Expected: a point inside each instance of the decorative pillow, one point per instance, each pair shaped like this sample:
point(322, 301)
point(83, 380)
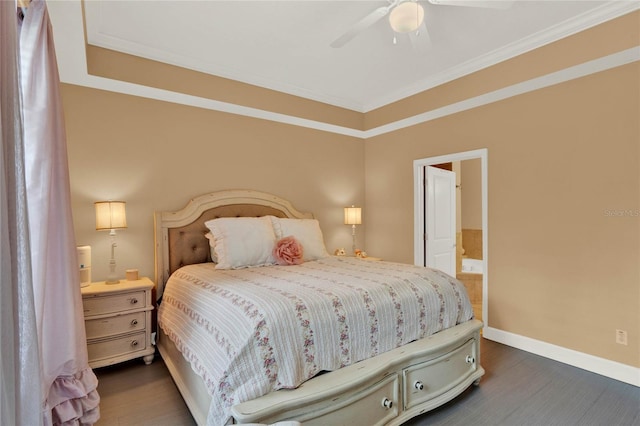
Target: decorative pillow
point(288, 251)
point(306, 231)
point(241, 242)
point(212, 246)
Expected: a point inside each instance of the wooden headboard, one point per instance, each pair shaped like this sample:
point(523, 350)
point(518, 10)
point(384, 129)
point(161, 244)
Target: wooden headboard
point(180, 235)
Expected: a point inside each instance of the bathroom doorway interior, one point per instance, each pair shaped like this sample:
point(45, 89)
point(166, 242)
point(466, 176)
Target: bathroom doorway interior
point(471, 223)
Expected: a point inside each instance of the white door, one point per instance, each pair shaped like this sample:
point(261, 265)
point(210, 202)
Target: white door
point(440, 200)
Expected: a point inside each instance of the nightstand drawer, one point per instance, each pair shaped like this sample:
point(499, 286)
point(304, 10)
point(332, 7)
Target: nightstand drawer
point(104, 304)
point(111, 326)
point(117, 346)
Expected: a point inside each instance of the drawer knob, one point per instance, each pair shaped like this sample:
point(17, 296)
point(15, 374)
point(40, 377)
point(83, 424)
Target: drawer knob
point(418, 385)
point(134, 322)
point(387, 403)
point(134, 343)
point(470, 359)
point(134, 300)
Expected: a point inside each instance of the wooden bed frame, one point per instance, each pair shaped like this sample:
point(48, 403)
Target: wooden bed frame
point(388, 389)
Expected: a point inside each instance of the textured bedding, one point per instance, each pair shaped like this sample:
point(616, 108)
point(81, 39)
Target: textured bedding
point(249, 331)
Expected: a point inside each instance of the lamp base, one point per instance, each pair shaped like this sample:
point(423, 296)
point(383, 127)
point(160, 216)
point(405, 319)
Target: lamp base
point(353, 236)
point(112, 278)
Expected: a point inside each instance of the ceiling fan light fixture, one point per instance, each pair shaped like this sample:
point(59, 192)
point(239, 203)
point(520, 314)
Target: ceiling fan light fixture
point(406, 17)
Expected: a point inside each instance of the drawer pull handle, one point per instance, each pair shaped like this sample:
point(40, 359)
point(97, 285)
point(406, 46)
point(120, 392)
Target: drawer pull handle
point(134, 322)
point(418, 385)
point(387, 403)
point(470, 359)
point(134, 343)
point(134, 301)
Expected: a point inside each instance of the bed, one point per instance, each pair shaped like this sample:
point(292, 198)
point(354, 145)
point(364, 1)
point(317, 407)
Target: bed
point(385, 352)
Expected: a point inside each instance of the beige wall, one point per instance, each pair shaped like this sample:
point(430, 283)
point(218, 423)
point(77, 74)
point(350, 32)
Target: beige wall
point(471, 194)
point(157, 155)
point(563, 161)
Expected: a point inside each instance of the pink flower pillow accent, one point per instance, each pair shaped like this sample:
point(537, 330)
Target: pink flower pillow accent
point(288, 251)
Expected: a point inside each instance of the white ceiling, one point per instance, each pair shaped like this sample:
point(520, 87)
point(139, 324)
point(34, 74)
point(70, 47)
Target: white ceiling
point(285, 45)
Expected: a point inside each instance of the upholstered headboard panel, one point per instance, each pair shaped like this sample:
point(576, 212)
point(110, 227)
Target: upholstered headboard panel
point(188, 245)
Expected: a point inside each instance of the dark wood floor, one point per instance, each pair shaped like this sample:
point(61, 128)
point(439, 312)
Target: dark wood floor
point(518, 388)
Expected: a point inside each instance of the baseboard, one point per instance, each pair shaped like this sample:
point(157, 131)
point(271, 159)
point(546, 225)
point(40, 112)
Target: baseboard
point(615, 370)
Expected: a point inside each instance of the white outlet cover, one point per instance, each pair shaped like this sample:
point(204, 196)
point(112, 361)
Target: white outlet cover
point(621, 337)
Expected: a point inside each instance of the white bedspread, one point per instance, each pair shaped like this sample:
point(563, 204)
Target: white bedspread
point(250, 331)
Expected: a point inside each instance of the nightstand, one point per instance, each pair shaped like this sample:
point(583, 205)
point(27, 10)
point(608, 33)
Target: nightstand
point(117, 320)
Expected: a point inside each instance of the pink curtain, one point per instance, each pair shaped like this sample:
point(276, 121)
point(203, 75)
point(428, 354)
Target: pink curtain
point(69, 392)
point(19, 353)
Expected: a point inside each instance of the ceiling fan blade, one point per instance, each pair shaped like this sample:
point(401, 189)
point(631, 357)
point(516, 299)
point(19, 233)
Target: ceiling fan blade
point(361, 25)
point(489, 4)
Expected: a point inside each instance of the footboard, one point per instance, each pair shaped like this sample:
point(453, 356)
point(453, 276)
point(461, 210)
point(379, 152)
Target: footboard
point(386, 390)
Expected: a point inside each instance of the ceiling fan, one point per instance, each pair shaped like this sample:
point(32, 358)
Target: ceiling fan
point(407, 16)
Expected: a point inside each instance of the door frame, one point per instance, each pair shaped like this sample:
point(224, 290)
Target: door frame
point(419, 212)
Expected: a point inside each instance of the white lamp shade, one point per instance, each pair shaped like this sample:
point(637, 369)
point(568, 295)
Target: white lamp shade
point(352, 215)
point(110, 215)
point(406, 17)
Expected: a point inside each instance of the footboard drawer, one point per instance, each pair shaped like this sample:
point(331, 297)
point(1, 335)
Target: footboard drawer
point(377, 403)
point(428, 380)
point(375, 406)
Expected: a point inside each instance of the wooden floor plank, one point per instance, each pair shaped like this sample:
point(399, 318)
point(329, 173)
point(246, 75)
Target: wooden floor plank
point(619, 398)
point(132, 393)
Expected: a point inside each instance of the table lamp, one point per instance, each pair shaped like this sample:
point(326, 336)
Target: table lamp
point(111, 215)
point(353, 217)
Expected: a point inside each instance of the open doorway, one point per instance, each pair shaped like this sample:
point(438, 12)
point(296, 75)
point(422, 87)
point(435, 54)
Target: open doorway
point(477, 251)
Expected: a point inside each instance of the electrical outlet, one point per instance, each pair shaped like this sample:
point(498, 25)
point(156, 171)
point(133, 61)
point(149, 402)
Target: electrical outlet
point(621, 337)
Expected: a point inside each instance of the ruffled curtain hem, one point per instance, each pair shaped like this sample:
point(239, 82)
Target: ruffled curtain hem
point(74, 400)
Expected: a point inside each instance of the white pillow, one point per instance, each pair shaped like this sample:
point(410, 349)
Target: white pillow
point(212, 246)
point(241, 242)
point(306, 231)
